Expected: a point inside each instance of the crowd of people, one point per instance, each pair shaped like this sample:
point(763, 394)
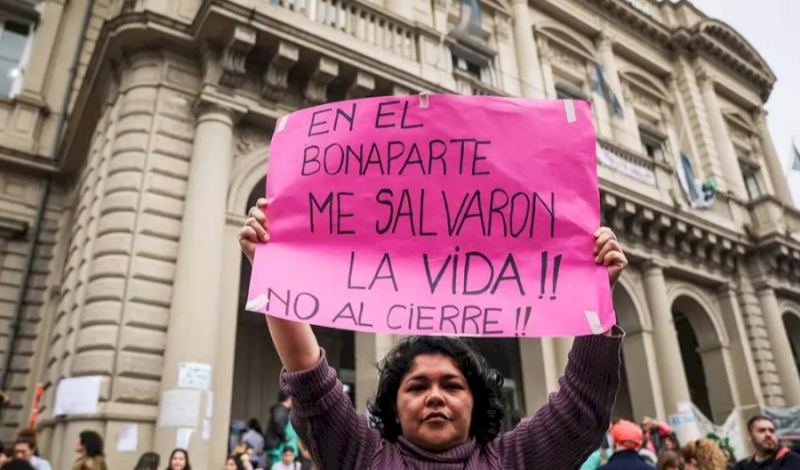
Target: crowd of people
point(654, 445)
point(23, 454)
point(277, 447)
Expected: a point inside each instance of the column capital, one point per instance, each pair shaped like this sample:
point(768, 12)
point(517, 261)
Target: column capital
point(763, 285)
point(604, 41)
point(760, 115)
point(208, 108)
point(705, 77)
point(654, 266)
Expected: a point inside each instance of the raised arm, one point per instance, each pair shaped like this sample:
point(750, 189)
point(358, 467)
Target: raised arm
point(295, 342)
point(567, 429)
point(325, 419)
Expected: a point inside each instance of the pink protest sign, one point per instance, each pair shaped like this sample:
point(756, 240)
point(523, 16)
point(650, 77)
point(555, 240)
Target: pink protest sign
point(435, 215)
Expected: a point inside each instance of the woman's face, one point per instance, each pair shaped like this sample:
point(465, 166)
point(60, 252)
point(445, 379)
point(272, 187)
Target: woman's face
point(230, 465)
point(245, 458)
point(178, 461)
point(434, 403)
point(79, 448)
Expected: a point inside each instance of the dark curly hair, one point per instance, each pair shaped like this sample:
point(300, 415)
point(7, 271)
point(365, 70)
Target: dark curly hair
point(486, 385)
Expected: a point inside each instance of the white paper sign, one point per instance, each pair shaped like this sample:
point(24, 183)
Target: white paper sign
point(183, 437)
point(128, 438)
point(210, 405)
point(206, 430)
point(194, 375)
point(180, 408)
point(77, 395)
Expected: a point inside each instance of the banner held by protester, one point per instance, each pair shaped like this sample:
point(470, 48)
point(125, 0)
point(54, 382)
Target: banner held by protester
point(435, 215)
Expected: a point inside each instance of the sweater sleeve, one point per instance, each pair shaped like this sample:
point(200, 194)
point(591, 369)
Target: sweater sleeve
point(568, 428)
point(325, 419)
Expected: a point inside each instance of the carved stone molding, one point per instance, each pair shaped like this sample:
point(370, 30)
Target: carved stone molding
point(667, 233)
point(705, 77)
point(363, 84)
point(317, 88)
point(11, 228)
point(782, 264)
point(275, 79)
point(250, 138)
point(604, 42)
point(545, 52)
point(234, 56)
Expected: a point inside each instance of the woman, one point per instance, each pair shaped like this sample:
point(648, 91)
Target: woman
point(148, 461)
point(234, 463)
point(179, 460)
point(245, 454)
point(669, 460)
point(703, 454)
point(90, 448)
point(254, 437)
point(438, 404)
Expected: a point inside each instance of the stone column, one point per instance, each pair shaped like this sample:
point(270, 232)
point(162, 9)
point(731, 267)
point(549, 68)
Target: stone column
point(546, 59)
point(371, 348)
point(227, 323)
point(773, 161)
point(626, 131)
point(196, 301)
point(668, 353)
point(722, 141)
point(782, 350)
point(404, 8)
point(562, 347)
point(530, 72)
point(540, 375)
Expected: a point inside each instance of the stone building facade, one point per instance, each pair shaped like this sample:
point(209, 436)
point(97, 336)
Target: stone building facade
point(134, 134)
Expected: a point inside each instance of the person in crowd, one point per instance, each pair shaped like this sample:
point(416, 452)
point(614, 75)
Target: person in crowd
point(657, 436)
point(600, 457)
point(90, 452)
point(234, 463)
point(702, 454)
point(438, 404)
point(255, 439)
point(280, 433)
point(669, 460)
point(4, 457)
point(16, 465)
point(627, 439)
point(287, 461)
point(245, 454)
point(769, 454)
point(304, 457)
point(179, 460)
point(25, 448)
point(148, 461)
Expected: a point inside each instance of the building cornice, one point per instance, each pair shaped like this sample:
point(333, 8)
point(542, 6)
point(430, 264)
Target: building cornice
point(709, 36)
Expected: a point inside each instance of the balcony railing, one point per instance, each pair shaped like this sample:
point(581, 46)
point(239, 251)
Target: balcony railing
point(361, 21)
point(771, 217)
point(626, 162)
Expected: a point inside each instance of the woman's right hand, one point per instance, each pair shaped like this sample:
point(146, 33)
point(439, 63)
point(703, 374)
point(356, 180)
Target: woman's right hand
point(254, 229)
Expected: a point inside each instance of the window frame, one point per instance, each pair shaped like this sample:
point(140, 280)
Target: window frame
point(23, 13)
point(649, 135)
point(752, 172)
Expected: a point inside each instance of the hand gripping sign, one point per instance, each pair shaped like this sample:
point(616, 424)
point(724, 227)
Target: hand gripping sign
point(459, 215)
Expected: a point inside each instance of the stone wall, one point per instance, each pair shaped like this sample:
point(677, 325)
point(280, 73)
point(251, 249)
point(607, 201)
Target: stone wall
point(113, 311)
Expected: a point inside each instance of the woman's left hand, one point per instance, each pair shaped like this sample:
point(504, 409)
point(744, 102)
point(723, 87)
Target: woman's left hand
point(608, 253)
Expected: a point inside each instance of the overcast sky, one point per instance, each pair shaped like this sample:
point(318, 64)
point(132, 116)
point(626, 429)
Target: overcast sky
point(773, 28)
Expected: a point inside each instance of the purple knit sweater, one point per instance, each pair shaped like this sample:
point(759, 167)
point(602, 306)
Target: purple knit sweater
point(559, 437)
